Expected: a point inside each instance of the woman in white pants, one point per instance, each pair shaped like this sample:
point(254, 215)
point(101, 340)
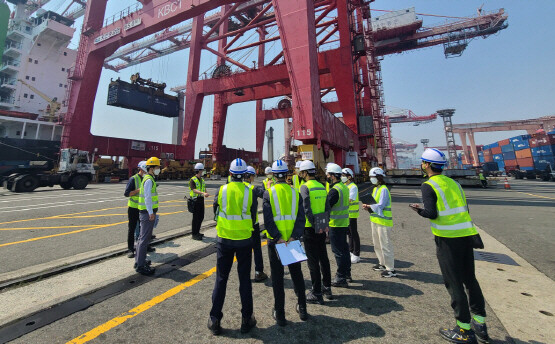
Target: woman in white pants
point(382, 224)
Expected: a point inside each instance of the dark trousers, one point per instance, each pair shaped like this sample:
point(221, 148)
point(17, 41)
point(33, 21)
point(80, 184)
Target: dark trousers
point(198, 215)
point(354, 239)
point(318, 262)
point(484, 183)
point(340, 248)
point(226, 253)
point(133, 217)
point(456, 261)
point(277, 280)
point(257, 249)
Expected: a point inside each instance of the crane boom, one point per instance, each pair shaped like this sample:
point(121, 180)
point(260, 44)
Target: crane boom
point(53, 104)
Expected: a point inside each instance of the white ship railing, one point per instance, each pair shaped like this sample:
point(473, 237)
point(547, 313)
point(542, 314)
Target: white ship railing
point(8, 81)
point(14, 45)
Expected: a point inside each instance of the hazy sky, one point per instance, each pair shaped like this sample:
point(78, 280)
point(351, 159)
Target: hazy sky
point(504, 77)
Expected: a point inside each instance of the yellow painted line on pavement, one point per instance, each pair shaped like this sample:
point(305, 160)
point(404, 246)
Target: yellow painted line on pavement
point(530, 194)
point(27, 228)
point(107, 326)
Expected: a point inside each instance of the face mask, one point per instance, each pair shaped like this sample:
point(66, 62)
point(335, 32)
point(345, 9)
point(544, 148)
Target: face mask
point(424, 173)
point(344, 179)
point(374, 180)
point(156, 171)
point(203, 173)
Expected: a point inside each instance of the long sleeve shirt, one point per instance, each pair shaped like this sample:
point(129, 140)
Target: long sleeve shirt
point(381, 203)
point(269, 223)
point(148, 196)
point(305, 196)
point(429, 198)
point(333, 196)
point(130, 186)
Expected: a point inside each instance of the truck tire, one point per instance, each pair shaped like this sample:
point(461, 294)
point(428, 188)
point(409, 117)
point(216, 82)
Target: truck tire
point(65, 185)
point(79, 182)
point(27, 184)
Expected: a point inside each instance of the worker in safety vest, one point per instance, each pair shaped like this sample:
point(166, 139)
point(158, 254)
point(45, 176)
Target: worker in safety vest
point(456, 237)
point(269, 180)
point(348, 178)
point(314, 197)
point(132, 191)
point(483, 179)
point(148, 206)
point(338, 198)
point(235, 208)
point(197, 191)
point(295, 180)
point(381, 220)
point(258, 192)
point(284, 221)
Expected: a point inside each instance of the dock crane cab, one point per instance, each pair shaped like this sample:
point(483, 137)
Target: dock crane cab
point(53, 105)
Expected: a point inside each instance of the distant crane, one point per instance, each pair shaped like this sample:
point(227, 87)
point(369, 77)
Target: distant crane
point(425, 142)
point(53, 105)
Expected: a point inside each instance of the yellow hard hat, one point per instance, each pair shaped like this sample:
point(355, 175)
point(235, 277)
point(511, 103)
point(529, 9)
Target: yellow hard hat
point(154, 161)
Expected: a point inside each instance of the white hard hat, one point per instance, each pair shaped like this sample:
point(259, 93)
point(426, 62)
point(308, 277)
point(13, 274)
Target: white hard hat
point(199, 166)
point(279, 166)
point(142, 166)
point(251, 170)
point(307, 165)
point(268, 170)
point(376, 171)
point(348, 171)
point(238, 166)
point(333, 168)
point(435, 156)
point(298, 164)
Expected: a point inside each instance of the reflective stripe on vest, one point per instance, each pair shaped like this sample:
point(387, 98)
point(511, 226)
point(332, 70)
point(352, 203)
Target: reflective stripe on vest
point(296, 183)
point(234, 219)
point(284, 201)
point(199, 185)
point(453, 219)
point(339, 215)
point(386, 219)
point(353, 205)
point(133, 201)
point(153, 194)
point(252, 190)
point(318, 195)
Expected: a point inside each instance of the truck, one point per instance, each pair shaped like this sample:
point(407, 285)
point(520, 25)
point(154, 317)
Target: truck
point(75, 170)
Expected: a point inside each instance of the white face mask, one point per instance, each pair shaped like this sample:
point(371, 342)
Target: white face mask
point(203, 173)
point(374, 180)
point(156, 171)
point(344, 179)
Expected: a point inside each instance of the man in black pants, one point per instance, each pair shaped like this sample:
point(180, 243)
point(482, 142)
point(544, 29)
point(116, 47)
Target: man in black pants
point(132, 191)
point(198, 192)
point(456, 237)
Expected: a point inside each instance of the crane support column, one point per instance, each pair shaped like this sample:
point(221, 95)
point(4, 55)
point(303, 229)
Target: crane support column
point(473, 149)
point(462, 135)
point(260, 115)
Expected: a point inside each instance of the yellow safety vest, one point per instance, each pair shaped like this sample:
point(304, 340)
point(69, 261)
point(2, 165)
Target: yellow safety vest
point(133, 201)
point(296, 183)
point(266, 182)
point(284, 200)
point(199, 185)
point(453, 219)
point(327, 187)
point(386, 219)
point(353, 205)
point(252, 190)
point(318, 195)
point(234, 219)
point(339, 215)
point(153, 193)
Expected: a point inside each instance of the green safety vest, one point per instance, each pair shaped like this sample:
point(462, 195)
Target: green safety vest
point(386, 219)
point(339, 215)
point(318, 195)
point(353, 205)
point(266, 182)
point(153, 192)
point(252, 190)
point(234, 221)
point(285, 205)
point(229, 178)
point(327, 187)
point(296, 183)
point(133, 201)
point(199, 185)
point(482, 176)
point(453, 220)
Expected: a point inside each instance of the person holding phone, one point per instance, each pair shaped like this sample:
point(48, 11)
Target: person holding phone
point(455, 237)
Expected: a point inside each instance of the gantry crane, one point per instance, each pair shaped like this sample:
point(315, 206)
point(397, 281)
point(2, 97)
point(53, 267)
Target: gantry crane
point(53, 105)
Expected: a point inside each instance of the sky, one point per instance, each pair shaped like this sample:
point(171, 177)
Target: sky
point(507, 76)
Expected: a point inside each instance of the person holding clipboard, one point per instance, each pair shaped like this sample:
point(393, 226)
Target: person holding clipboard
point(284, 221)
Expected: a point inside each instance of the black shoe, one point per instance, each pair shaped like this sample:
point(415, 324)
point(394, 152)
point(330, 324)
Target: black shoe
point(314, 298)
point(388, 273)
point(197, 237)
point(279, 317)
point(247, 324)
point(260, 276)
point(151, 249)
point(349, 279)
point(481, 331)
point(147, 263)
point(340, 283)
point(214, 326)
point(378, 267)
point(152, 237)
point(458, 335)
point(303, 314)
point(145, 270)
point(131, 254)
point(327, 293)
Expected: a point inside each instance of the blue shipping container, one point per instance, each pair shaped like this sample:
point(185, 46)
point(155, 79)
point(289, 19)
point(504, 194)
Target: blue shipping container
point(541, 162)
point(507, 148)
point(501, 165)
point(520, 138)
point(480, 153)
point(481, 159)
point(509, 156)
point(498, 157)
point(493, 145)
point(542, 151)
point(520, 145)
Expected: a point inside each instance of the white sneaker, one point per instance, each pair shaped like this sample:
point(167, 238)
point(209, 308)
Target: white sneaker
point(355, 259)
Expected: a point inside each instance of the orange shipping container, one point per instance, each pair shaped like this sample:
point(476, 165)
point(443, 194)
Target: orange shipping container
point(510, 163)
point(526, 162)
point(504, 142)
point(496, 150)
point(523, 154)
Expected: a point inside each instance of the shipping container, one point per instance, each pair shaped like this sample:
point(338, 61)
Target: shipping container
point(510, 163)
point(543, 150)
point(528, 168)
point(487, 152)
point(501, 165)
point(542, 162)
point(394, 19)
point(493, 145)
point(507, 148)
point(496, 150)
point(541, 140)
point(497, 157)
point(481, 159)
point(520, 138)
point(523, 154)
point(519, 145)
point(504, 142)
point(488, 158)
point(480, 153)
point(526, 162)
point(509, 156)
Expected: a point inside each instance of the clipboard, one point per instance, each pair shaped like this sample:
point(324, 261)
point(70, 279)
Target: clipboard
point(291, 253)
point(366, 198)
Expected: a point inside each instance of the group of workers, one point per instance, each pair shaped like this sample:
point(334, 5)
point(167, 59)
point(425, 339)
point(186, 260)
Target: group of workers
point(306, 209)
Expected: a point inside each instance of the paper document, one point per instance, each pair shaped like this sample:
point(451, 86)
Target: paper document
point(156, 219)
point(291, 253)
